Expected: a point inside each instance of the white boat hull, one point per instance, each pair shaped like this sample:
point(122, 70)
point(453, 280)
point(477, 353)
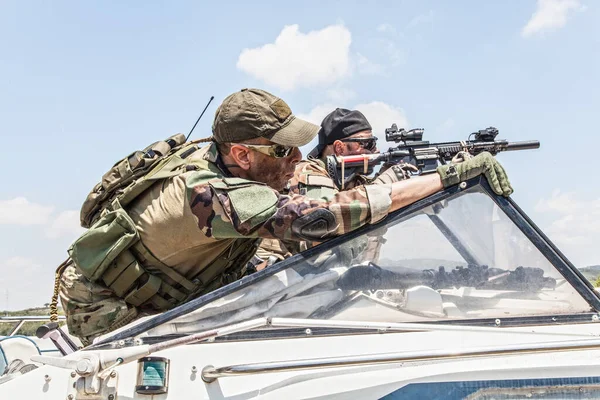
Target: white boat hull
point(529, 372)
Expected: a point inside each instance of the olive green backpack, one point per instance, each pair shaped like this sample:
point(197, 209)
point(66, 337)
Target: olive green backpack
point(110, 251)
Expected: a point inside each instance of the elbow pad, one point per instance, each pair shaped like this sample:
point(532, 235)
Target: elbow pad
point(315, 225)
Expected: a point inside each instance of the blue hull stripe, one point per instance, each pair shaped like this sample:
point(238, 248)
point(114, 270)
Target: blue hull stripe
point(559, 388)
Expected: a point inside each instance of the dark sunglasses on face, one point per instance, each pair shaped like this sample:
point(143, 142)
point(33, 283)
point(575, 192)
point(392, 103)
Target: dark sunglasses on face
point(366, 143)
point(273, 150)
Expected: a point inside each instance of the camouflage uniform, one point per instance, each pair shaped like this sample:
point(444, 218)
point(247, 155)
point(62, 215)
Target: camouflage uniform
point(190, 220)
point(312, 176)
point(312, 180)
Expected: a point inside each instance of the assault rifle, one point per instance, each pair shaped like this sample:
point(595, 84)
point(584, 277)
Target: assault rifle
point(412, 149)
point(372, 277)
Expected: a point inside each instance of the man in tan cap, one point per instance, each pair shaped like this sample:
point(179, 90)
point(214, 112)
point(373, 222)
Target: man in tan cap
point(195, 230)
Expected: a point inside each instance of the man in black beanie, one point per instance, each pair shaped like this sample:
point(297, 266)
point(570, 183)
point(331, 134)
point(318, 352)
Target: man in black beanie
point(343, 133)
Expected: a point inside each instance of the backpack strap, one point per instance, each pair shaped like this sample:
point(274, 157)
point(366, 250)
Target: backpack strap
point(127, 176)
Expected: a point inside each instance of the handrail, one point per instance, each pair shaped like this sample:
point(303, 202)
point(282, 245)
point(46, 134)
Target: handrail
point(21, 319)
point(383, 327)
point(14, 318)
point(210, 373)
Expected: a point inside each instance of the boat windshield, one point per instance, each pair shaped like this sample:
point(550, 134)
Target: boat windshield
point(456, 259)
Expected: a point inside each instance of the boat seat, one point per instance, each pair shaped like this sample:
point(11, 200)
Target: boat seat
point(15, 353)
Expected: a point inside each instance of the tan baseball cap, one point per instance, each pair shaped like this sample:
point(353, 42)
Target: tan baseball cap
point(253, 113)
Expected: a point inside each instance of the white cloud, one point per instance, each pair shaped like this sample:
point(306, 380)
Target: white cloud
point(382, 116)
point(562, 203)
point(315, 116)
point(24, 283)
point(367, 67)
point(550, 15)
point(65, 224)
point(299, 59)
point(575, 230)
point(24, 263)
point(340, 95)
point(20, 211)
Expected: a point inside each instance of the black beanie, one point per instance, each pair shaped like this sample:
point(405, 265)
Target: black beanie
point(337, 125)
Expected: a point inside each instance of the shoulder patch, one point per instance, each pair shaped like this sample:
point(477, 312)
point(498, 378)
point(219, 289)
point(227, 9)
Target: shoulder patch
point(252, 202)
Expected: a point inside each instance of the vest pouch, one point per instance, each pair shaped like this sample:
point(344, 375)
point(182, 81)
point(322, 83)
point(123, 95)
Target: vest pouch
point(130, 281)
point(123, 272)
point(97, 248)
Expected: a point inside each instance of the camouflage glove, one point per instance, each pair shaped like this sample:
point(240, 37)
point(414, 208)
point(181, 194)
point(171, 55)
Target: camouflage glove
point(394, 173)
point(482, 164)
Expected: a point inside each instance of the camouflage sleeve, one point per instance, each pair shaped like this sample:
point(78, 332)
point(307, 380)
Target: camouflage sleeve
point(311, 179)
point(235, 207)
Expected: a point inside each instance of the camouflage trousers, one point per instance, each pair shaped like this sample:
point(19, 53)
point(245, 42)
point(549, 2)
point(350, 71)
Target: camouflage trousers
point(91, 308)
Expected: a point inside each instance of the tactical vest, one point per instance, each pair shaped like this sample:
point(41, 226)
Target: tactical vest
point(110, 252)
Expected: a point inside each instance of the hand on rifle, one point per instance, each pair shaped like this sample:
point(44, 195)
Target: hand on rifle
point(482, 164)
point(394, 172)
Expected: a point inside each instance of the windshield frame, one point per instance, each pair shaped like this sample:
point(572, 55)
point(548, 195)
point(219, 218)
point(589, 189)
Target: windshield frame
point(507, 205)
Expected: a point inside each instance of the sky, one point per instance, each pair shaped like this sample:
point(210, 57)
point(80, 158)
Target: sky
point(83, 84)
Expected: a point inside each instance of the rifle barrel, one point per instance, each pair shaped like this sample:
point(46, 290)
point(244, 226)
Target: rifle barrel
point(525, 145)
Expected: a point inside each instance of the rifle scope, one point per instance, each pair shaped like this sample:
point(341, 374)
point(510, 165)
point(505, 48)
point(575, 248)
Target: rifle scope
point(394, 134)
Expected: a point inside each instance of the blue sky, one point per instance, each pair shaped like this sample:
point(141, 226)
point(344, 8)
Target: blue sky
point(84, 83)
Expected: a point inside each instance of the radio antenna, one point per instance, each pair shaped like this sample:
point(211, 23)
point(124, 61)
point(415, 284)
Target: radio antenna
point(198, 120)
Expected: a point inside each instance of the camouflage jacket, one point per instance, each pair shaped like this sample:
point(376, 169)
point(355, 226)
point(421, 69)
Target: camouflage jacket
point(190, 220)
point(227, 207)
point(311, 179)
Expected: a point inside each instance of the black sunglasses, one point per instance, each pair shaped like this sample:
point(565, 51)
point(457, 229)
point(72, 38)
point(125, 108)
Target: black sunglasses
point(366, 143)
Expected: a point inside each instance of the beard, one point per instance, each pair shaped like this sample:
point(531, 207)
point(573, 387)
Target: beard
point(274, 172)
